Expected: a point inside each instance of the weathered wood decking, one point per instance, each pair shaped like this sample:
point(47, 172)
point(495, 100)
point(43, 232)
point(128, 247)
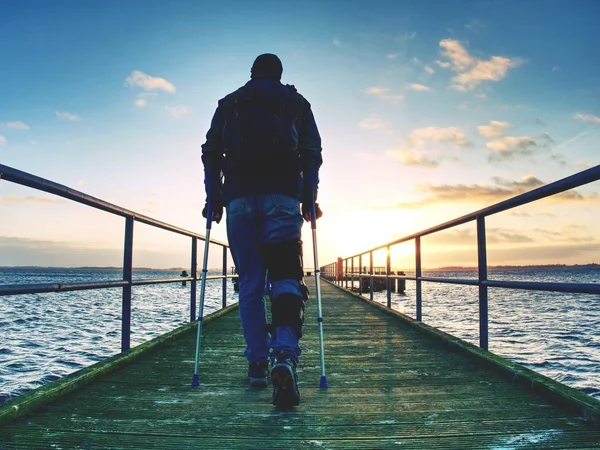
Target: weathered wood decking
point(390, 386)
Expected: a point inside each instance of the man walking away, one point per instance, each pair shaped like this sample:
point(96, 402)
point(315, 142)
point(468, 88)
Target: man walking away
point(264, 143)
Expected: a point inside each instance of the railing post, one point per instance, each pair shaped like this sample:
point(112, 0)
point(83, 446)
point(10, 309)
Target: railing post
point(418, 278)
point(194, 272)
point(388, 269)
point(371, 273)
point(128, 277)
point(483, 290)
point(346, 273)
point(352, 274)
point(359, 274)
point(224, 285)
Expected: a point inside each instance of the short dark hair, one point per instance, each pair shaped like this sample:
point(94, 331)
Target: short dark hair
point(268, 66)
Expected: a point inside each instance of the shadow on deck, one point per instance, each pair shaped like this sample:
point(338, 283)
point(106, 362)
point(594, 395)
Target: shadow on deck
point(390, 386)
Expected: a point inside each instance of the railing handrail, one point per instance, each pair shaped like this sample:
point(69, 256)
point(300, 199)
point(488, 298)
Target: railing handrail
point(579, 179)
point(341, 271)
point(26, 179)
point(42, 184)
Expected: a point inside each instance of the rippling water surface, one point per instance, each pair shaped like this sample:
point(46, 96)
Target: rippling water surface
point(47, 336)
point(554, 334)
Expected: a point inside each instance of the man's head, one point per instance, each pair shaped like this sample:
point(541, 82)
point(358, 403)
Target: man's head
point(267, 66)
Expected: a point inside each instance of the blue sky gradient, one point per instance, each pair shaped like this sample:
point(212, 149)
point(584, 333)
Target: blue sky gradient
point(427, 109)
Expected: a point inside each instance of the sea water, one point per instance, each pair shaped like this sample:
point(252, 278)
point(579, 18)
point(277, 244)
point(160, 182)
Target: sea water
point(44, 337)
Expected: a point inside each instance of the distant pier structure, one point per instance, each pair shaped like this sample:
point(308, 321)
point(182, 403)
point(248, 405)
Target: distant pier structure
point(361, 275)
point(235, 281)
point(184, 274)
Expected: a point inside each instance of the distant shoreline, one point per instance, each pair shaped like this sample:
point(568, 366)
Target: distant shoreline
point(436, 269)
point(507, 267)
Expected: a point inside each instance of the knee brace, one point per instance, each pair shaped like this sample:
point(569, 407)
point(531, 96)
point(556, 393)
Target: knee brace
point(288, 309)
point(284, 260)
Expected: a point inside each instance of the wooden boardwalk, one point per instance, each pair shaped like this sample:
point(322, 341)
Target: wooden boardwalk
point(390, 386)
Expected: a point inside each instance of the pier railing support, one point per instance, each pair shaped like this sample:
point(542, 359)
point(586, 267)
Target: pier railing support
point(128, 278)
point(483, 289)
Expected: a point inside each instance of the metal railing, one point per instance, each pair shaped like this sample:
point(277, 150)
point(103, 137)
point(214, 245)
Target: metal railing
point(41, 184)
point(344, 270)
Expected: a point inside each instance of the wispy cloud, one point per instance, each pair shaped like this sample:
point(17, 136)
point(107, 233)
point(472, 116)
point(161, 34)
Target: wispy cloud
point(149, 83)
point(476, 26)
point(505, 147)
point(373, 122)
point(471, 72)
point(460, 238)
point(3, 140)
point(500, 190)
point(178, 111)
point(17, 125)
point(142, 99)
point(420, 147)
point(589, 118)
point(419, 87)
point(384, 93)
point(429, 70)
point(64, 115)
point(406, 36)
point(336, 42)
point(414, 158)
point(392, 55)
point(494, 130)
point(452, 135)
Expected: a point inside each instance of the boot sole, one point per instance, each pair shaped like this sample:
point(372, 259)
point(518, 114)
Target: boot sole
point(285, 392)
point(258, 383)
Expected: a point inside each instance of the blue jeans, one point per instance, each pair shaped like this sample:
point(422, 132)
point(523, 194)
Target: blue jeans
point(252, 221)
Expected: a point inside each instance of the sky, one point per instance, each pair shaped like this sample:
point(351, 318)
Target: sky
point(428, 110)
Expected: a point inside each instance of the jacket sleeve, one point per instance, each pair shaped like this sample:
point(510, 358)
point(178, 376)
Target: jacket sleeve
point(212, 149)
point(309, 141)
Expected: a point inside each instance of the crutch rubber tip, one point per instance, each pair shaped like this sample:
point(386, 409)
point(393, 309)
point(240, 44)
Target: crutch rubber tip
point(195, 380)
point(323, 382)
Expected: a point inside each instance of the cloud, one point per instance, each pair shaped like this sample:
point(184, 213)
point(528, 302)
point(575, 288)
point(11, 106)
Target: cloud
point(142, 99)
point(383, 93)
point(415, 159)
point(429, 70)
point(392, 55)
point(452, 135)
point(406, 37)
point(568, 233)
point(460, 238)
point(419, 87)
point(178, 111)
point(336, 42)
point(373, 122)
point(418, 148)
point(500, 190)
point(505, 147)
point(504, 236)
point(589, 118)
point(528, 182)
point(17, 125)
point(149, 83)
point(494, 130)
point(472, 71)
point(509, 147)
point(476, 26)
point(3, 140)
point(63, 115)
